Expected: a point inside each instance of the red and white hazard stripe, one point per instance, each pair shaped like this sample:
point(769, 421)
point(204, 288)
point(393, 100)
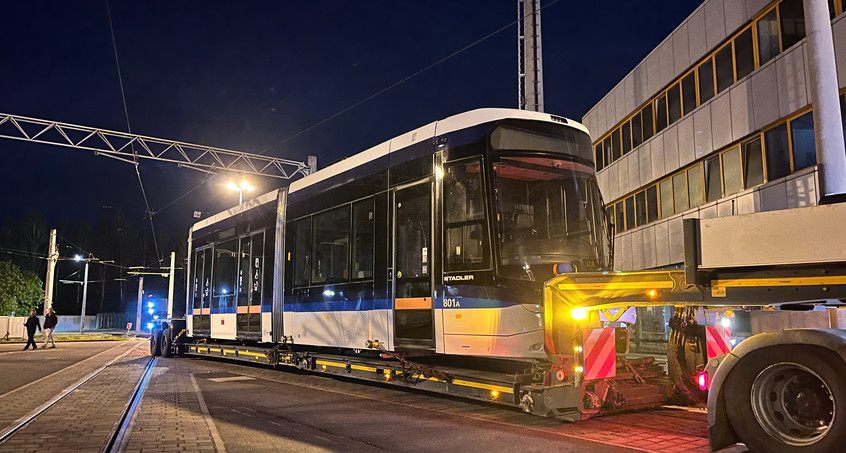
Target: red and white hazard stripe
point(718, 339)
point(600, 353)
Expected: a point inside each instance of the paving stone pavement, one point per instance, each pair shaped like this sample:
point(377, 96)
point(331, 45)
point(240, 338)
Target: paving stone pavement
point(170, 417)
point(83, 420)
point(23, 400)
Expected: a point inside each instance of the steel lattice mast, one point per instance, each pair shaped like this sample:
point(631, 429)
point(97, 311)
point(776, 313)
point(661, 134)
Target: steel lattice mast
point(126, 147)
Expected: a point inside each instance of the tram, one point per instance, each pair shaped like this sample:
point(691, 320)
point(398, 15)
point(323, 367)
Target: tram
point(437, 241)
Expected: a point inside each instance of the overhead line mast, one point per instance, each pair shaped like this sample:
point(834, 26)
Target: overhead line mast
point(118, 145)
point(530, 58)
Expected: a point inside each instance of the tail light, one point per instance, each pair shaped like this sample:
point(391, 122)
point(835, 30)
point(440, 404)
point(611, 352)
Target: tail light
point(702, 380)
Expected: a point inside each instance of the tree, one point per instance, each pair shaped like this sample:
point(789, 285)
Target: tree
point(20, 290)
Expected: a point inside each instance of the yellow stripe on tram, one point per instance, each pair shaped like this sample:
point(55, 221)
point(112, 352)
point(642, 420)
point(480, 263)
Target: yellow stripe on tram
point(615, 285)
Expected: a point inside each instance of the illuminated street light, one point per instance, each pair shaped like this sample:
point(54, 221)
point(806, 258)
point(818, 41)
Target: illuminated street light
point(240, 188)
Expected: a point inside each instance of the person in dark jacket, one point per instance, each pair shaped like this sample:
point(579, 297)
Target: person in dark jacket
point(31, 324)
point(50, 321)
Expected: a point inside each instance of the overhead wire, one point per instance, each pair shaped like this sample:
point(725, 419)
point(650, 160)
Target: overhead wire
point(405, 79)
point(129, 129)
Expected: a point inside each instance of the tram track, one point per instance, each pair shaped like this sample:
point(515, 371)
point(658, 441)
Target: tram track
point(117, 436)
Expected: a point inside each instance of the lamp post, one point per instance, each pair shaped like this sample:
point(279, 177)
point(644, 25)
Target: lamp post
point(240, 188)
point(84, 290)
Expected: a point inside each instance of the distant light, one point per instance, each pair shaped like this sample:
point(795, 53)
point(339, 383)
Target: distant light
point(725, 322)
point(579, 313)
point(247, 186)
point(232, 186)
point(149, 326)
point(328, 293)
point(224, 291)
point(156, 317)
point(77, 258)
point(733, 341)
point(150, 311)
point(149, 305)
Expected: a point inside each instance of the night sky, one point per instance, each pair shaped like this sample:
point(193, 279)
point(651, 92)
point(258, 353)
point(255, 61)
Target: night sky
point(246, 75)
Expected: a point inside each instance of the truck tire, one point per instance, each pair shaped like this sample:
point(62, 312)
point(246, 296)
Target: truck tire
point(155, 344)
point(166, 343)
point(789, 398)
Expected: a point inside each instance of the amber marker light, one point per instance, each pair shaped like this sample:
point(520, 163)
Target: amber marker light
point(653, 293)
point(579, 313)
point(494, 394)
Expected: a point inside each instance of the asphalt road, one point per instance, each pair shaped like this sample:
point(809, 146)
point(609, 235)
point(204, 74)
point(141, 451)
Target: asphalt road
point(18, 368)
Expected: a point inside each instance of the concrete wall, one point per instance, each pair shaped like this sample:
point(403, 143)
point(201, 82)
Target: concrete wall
point(14, 326)
point(771, 92)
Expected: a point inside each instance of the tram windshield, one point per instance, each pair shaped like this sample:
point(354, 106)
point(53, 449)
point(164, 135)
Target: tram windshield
point(549, 214)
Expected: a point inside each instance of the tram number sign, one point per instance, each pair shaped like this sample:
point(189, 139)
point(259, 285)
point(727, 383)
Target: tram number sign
point(451, 303)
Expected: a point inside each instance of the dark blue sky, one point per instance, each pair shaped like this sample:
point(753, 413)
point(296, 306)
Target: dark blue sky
point(248, 74)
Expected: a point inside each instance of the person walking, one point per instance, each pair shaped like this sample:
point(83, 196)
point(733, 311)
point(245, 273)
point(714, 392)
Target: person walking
point(50, 321)
point(31, 324)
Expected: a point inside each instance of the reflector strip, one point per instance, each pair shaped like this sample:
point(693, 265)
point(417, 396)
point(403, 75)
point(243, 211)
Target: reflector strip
point(600, 353)
point(718, 339)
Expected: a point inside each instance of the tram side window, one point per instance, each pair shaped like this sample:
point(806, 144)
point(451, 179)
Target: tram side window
point(464, 217)
point(198, 279)
point(225, 268)
point(362, 246)
point(244, 273)
point(207, 275)
point(331, 246)
point(302, 252)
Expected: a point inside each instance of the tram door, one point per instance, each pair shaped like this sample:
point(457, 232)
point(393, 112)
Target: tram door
point(413, 309)
point(250, 272)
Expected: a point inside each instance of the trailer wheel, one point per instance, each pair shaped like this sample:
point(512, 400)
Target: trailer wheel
point(166, 343)
point(155, 344)
point(787, 400)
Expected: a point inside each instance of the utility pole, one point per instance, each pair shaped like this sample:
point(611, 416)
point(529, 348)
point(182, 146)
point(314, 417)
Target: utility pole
point(529, 56)
point(52, 258)
point(170, 286)
point(84, 298)
point(828, 129)
point(140, 301)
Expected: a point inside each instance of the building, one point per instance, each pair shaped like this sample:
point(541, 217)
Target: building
point(715, 121)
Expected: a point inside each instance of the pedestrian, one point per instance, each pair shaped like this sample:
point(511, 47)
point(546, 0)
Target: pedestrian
point(50, 321)
point(31, 324)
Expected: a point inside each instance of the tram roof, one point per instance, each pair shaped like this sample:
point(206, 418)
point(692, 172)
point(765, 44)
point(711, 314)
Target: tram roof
point(427, 132)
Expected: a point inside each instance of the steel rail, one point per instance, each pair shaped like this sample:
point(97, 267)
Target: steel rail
point(126, 147)
point(119, 436)
point(22, 422)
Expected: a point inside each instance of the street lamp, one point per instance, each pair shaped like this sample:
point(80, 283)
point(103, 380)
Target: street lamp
point(78, 258)
point(240, 188)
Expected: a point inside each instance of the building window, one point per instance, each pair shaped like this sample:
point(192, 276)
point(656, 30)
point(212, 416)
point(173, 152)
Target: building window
point(646, 115)
point(768, 36)
point(331, 246)
point(695, 186)
point(706, 81)
point(753, 163)
point(661, 113)
point(362, 243)
point(637, 130)
point(804, 147)
point(744, 54)
point(609, 154)
point(674, 103)
point(640, 207)
point(600, 161)
point(688, 90)
point(792, 17)
point(630, 213)
point(652, 203)
point(626, 130)
point(666, 198)
point(615, 143)
point(680, 192)
point(620, 217)
point(725, 68)
point(713, 179)
point(732, 175)
point(777, 149)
